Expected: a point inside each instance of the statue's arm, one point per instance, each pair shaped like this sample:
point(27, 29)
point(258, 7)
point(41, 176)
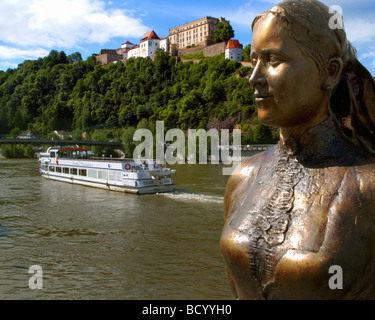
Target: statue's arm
point(241, 179)
point(232, 184)
point(238, 182)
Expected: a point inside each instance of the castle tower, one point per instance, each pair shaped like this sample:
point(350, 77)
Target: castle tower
point(150, 43)
point(233, 50)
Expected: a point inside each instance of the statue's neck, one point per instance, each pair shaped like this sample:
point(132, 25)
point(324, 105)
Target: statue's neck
point(317, 144)
point(297, 132)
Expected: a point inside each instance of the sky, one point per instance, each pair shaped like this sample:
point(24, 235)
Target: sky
point(30, 29)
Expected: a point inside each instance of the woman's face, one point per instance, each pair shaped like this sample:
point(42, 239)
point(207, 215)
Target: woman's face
point(288, 86)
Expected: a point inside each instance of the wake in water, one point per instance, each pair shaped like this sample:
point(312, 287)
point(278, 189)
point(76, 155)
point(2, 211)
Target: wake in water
point(189, 196)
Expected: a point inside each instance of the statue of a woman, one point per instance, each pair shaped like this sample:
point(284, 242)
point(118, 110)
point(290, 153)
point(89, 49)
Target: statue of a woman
point(300, 217)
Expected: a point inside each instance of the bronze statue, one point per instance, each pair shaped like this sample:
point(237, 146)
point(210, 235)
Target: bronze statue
point(307, 204)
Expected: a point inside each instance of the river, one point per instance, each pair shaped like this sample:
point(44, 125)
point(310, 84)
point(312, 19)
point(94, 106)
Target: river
point(97, 244)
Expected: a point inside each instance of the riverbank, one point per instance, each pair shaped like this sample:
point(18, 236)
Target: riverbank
point(18, 151)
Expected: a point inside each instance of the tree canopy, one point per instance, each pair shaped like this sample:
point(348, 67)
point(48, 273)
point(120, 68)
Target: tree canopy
point(66, 93)
point(223, 32)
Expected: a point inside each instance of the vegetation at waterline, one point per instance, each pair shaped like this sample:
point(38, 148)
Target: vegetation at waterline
point(65, 93)
point(17, 151)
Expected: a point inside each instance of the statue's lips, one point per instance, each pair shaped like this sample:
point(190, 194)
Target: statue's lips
point(262, 97)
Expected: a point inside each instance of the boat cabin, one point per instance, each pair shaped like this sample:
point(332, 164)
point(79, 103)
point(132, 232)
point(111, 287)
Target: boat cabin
point(69, 153)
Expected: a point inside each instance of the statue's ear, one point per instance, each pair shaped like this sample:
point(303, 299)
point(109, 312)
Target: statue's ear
point(333, 73)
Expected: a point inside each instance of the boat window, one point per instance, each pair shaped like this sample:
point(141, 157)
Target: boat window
point(52, 154)
point(51, 169)
point(73, 171)
point(58, 169)
point(83, 154)
point(66, 170)
point(92, 173)
point(113, 175)
point(83, 172)
point(102, 174)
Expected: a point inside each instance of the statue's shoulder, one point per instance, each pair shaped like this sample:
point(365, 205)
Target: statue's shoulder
point(249, 167)
point(244, 175)
point(364, 169)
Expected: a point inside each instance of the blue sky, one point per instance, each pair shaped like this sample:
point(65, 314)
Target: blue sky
point(30, 29)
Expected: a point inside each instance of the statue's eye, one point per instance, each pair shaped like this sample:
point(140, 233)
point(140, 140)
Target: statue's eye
point(254, 60)
point(274, 60)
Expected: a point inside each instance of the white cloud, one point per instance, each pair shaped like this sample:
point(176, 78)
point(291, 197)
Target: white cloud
point(369, 57)
point(243, 17)
point(330, 2)
point(64, 23)
point(347, 2)
point(240, 17)
point(4, 65)
point(7, 52)
point(360, 30)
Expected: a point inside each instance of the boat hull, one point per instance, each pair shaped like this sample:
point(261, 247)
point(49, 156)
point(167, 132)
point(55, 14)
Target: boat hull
point(73, 165)
point(108, 186)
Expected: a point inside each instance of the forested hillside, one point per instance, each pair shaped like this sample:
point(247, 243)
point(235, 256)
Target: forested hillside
point(65, 93)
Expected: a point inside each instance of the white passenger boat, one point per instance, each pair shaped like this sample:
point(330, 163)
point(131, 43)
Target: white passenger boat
point(75, 165)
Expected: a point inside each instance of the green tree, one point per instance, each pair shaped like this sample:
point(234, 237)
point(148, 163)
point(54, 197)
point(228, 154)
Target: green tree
point(55, 58)
point(127, 141)
point(17, 151)
point(103, 135)
point(246, 53)
point(74, 57)
point(223, 32)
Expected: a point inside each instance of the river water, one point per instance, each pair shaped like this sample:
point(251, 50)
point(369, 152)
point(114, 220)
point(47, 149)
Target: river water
point(97, 244)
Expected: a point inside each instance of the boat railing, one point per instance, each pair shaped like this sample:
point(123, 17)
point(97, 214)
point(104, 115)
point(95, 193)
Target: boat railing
point(141, 161)
point(109, 159)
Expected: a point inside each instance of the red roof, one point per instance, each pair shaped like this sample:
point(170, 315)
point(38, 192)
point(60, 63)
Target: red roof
point(150, 36)
point(233, 44)
point(135, 47)
point(127, 42)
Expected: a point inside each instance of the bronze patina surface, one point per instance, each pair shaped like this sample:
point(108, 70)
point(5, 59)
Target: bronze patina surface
point(308, 203)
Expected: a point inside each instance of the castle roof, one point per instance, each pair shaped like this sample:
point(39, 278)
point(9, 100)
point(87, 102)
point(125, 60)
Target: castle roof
point(127, 42)
point(233, 44)
point(151, 35)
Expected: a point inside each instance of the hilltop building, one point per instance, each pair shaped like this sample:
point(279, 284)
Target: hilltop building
point(190, 38)
point(149, 44)
point(127, 45)
point(197, 33)
point(109, 55)
point(233, 50)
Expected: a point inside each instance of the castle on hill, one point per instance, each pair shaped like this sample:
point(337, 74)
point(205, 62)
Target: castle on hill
point(190, 38)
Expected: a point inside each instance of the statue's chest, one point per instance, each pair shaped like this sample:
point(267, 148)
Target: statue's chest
point(285, 208)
